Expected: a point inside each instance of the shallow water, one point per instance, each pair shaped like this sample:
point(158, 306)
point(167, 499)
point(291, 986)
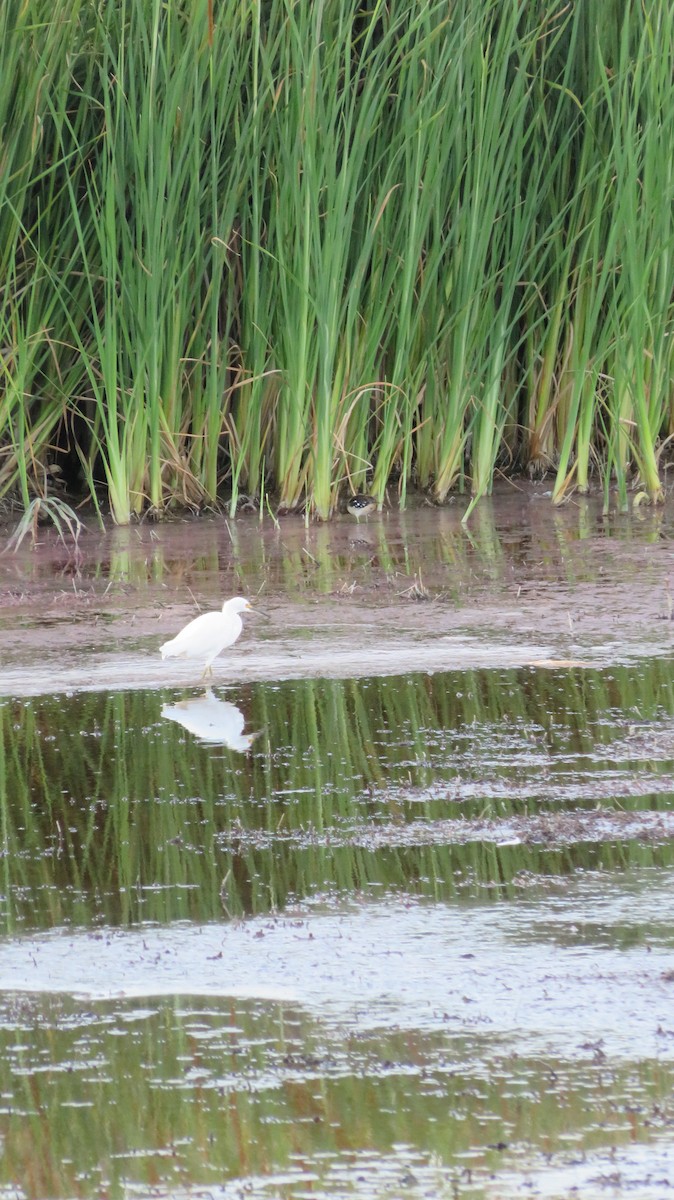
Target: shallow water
point(115, 811)
point(539, 976)
point(355, 924)
point(412, 937)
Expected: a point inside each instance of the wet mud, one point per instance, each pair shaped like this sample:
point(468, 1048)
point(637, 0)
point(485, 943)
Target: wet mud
point(404, 591)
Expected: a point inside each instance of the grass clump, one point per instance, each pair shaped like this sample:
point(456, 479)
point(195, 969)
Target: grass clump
point(323, 248)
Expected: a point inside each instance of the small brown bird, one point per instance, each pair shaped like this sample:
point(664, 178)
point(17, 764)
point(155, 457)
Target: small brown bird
point(361, 506)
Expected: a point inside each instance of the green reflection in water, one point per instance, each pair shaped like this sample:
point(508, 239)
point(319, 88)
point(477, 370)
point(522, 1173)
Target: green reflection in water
point(507, 543)
point(172, 1093)
point(111, 812)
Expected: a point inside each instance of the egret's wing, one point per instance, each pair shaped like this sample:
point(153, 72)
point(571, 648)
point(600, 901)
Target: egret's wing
point(197, 638)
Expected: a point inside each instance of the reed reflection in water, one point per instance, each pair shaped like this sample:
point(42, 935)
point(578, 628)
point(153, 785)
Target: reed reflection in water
point(119, 807)
point(149, 809)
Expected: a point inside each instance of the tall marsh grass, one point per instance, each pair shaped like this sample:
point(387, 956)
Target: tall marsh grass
point(304, 249)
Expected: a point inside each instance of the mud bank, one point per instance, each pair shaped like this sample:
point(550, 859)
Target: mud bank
point(525, 583)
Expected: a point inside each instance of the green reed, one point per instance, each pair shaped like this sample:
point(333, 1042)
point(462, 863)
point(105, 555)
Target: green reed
point(312, 249)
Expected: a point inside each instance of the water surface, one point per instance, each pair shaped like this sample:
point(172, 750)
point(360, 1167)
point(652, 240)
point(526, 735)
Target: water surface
point(363, 937)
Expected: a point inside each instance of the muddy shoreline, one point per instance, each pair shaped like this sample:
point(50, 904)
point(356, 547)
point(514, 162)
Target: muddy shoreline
point(525, 584)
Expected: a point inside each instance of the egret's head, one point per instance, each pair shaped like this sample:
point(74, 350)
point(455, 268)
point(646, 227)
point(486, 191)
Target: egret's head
point(236, 605)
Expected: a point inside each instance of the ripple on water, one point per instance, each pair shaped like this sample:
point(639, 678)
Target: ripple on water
point(540, 975)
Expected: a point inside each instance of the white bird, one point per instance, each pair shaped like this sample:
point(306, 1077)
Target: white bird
point(215, 722)
point(206, 636)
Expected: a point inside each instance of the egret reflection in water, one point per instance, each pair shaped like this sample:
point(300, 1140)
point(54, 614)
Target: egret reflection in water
point(217, 722)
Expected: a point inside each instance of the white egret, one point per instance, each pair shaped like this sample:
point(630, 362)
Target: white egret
point(206, 636)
